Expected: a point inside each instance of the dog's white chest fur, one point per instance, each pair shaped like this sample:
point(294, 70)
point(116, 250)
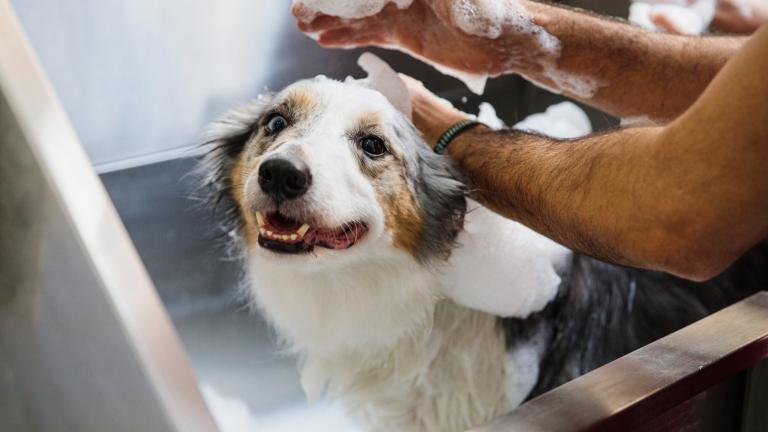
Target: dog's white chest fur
point(444, 378)
point(401, 353)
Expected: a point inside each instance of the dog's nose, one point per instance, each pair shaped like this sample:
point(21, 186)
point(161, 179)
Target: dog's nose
point(284, 178)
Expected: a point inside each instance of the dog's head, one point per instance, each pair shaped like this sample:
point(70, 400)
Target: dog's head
point(330, 172)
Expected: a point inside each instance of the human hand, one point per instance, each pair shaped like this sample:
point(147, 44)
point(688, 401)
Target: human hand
point(731, 16)
point(432, 115)
point(740, 16)
point(428, 29)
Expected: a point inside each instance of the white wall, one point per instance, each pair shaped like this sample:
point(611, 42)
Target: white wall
point(142, 77)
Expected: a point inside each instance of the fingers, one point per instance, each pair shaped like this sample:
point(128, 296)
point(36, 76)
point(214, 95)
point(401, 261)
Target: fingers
point(344, 38)
point(413, 85)
point(353, 36)
point(322, 23)
point(664, 22)
point(301, 12)
point(309, 21)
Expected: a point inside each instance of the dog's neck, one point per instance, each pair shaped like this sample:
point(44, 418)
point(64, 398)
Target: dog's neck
point(357, 311)
point(366, 307)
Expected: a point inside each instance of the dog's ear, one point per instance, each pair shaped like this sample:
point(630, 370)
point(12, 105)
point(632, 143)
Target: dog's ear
point(441, 195)
point(386, 81)
point(224, 140)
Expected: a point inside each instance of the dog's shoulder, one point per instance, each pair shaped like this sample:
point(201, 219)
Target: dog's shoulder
point(502, 267)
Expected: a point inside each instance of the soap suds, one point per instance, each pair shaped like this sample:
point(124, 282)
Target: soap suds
point(232, 414)
point(488, 18)
point(487, 115)
point(637, 121)
point(687, 18)
point(579, 85)
point(483, 18)
point(564, 120)
point(350, 9)
point(503, 267)
point(744, 9)
point(474, 82)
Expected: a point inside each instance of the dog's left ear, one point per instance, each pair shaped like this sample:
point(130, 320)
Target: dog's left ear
point(224, 140)
point(386, 81)
point(441, 195)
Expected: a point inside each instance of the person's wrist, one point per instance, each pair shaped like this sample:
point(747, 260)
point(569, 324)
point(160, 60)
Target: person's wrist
point(455, 130)
point(434, 122)
point(437, 129)
point(461, 143)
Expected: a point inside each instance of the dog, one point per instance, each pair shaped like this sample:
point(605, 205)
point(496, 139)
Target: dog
point(418, 307)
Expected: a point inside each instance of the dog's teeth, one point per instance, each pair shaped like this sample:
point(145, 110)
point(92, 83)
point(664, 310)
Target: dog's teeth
point(270, 233)
point(294, 237)
point(303, 230)
point(284, 237)
point(260, 218)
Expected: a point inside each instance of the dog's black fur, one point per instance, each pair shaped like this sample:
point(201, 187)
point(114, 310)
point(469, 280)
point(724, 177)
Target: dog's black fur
point(603, 311)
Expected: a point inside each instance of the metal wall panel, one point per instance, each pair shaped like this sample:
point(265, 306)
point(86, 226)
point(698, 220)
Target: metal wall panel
point(85, 344)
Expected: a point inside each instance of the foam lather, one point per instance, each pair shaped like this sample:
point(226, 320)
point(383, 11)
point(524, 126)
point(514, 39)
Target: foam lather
point(689, 18)
point(351, 9)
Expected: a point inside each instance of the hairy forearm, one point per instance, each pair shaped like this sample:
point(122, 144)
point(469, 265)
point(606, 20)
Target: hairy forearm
point(572, 191)
point(622, 69)
point(687, 198)
point(627, 196)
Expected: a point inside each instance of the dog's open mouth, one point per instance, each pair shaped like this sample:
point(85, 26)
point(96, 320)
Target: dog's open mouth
point(282, 234)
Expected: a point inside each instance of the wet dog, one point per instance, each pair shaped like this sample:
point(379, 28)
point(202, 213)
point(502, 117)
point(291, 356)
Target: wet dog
point(422, 310)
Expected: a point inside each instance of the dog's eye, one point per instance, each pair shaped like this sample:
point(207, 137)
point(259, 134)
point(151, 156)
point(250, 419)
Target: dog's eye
point(373, 146)
point(276, 124)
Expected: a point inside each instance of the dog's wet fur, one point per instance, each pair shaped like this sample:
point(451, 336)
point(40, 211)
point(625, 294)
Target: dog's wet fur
point(370, 323)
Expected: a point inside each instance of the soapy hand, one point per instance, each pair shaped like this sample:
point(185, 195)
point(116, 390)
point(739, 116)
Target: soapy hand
point(426, 28)
point(730, 16)
point(740, 16)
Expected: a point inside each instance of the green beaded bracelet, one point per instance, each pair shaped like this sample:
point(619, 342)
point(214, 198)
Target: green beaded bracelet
point(451, 133)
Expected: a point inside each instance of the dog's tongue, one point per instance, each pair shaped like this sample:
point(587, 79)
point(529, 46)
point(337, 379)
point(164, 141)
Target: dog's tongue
point(339, 238)
point(335, 239)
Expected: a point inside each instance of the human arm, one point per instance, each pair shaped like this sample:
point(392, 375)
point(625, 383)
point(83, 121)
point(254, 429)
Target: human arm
point(621, 69)
point(687, 198)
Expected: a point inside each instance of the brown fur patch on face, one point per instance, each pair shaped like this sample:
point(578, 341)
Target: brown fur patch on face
point(239, 174)
point(301, 101)
point(402, 216)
